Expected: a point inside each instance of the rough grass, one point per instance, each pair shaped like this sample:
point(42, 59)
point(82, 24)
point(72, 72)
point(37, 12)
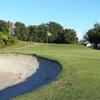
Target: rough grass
point(80, 77)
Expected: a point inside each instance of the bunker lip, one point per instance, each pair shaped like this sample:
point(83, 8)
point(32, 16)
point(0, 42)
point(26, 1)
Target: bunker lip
point(44, 72)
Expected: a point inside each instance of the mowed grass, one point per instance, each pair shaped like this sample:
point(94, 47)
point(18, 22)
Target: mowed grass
point(80, 76)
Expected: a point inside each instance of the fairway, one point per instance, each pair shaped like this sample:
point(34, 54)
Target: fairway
point(80, 76)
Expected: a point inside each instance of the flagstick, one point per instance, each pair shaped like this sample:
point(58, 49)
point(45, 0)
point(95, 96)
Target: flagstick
point(48, 35)
point(46, 45)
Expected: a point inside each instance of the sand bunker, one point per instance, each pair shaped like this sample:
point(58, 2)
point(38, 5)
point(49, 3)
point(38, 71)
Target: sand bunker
point(16, 68)
point(20, 74)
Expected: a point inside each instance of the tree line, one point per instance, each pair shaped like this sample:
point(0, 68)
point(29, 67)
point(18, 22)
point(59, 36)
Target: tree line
point(39, 33)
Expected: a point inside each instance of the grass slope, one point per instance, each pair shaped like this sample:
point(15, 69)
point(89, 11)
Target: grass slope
point(80, 77)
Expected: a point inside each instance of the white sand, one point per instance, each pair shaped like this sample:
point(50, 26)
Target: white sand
point(16, 68)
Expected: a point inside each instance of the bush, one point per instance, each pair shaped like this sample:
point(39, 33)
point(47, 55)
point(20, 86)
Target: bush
point(6, 39)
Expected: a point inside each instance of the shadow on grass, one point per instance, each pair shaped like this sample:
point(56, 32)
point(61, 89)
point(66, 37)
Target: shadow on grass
point(48, 71)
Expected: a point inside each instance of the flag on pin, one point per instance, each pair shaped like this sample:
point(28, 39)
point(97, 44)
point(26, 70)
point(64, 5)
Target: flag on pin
point(49, 34)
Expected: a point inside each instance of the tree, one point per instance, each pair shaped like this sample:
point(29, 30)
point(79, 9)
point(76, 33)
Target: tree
point(21, 31)
point(40, 33)
point(3, 26)
point(93, 35)
point(33, 33)
point(6, 39)
point(70, 36)
point(57, 30)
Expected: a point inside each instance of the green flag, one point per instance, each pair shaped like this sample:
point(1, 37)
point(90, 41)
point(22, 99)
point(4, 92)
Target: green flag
point(48, 33)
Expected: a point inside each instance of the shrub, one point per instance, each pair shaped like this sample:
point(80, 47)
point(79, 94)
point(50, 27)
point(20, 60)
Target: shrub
point(6, 39)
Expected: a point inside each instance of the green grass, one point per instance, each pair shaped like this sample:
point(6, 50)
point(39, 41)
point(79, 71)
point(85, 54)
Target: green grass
point(80, 76)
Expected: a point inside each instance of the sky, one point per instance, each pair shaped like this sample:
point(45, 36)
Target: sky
point(79, 15)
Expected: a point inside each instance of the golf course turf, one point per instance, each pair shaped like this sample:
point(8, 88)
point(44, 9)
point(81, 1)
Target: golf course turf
point(80, 76)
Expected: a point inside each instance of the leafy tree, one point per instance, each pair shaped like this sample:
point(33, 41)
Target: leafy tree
point(33, 33)
point(21, 31)
point(42, 32)
point(93, 35)
point(56, 30)
point(3, 26)
point(70, 36)
point(6, 39)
